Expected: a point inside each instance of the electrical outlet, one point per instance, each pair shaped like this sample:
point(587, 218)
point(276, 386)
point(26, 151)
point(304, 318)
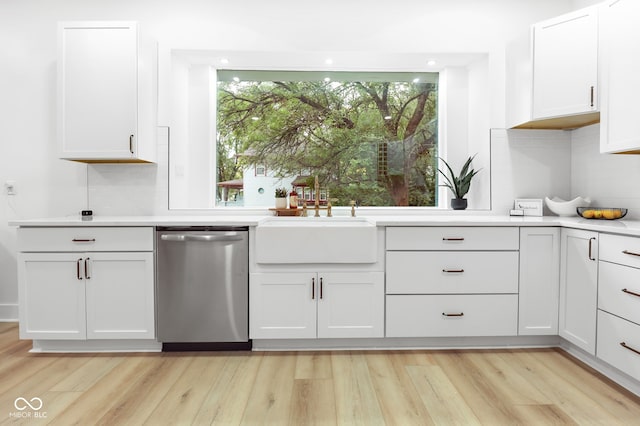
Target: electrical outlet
point(10, 187)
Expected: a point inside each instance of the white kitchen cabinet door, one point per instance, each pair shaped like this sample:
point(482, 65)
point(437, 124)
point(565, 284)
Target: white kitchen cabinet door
point(579, 288)
point(620, 85)
point(283, 305)
point(539, 281)
point(351, 304)
point(52, 296)
point(99, 109)
point(565, 65)
point(120, 295)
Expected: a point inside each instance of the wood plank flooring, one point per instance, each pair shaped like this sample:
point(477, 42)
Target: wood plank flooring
point(475, 387)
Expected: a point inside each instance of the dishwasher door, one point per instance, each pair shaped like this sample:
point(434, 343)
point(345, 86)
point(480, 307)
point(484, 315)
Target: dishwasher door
point(202, 287)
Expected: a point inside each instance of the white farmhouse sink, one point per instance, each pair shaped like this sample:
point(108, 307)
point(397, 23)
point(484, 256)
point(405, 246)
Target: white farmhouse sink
point(316, 240)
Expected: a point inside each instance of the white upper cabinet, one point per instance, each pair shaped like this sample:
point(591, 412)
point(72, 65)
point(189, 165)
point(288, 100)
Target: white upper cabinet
point(620, 52)
point(105, 93)
point(565, 65)
point(552, 73)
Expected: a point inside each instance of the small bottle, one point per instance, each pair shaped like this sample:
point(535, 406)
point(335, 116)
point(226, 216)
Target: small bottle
point(293, 199)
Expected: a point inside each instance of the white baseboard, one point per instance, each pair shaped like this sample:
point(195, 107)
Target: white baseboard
point(8, 313)
point(602, 367)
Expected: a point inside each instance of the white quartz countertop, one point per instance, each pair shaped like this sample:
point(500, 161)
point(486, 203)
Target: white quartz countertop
point(626, 227)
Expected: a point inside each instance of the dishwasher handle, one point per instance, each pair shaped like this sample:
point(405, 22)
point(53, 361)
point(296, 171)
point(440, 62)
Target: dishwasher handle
point(229, 236)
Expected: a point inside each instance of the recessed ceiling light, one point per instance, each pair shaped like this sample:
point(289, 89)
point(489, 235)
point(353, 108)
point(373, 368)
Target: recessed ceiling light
point(224, 61)
point(327, 79)
point(431, 62)
point(236, 79)
point(415, 80)
point(328, 61)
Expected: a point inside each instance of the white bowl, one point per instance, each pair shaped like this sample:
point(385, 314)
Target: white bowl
point(566, 208)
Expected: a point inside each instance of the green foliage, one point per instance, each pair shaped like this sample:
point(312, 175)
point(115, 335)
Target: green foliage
point(460, 184)
point(281, 192)
point(367, 141)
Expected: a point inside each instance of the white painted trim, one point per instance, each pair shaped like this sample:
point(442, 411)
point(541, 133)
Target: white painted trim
point(389, 343)
point(601, 367)
point(83, 346)
point(9, 312)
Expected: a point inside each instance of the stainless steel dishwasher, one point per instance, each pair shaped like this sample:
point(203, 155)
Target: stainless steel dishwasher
point(202, 278)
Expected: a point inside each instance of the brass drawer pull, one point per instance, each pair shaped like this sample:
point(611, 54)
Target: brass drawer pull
point(461, 314)
point(84, 240)
point(630, 253)
point(452, 238)
point(624, 345)
point(453, 271)
point(630, 292)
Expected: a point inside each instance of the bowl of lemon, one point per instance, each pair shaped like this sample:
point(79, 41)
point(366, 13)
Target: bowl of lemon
point(609, 213)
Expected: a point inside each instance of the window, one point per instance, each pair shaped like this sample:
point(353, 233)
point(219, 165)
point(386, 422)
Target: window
point(369, 137)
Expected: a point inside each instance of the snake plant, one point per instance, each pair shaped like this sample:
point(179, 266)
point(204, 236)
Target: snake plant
point(459, 185)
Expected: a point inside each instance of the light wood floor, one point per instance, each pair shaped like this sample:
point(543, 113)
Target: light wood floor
point(489, 387)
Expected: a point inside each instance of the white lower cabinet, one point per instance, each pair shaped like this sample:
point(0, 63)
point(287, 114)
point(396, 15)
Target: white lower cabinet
point(80, 295)
point(86, 295)
point(619, 343)
point(293, 305)
point(579, 288)
point(619, 303)
point(539, 281)
point(452, 315)
point(451, 281)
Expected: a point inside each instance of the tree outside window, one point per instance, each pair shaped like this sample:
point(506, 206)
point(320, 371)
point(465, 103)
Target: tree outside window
point(369, 137)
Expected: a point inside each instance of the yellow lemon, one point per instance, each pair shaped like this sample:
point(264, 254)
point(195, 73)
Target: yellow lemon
point(617, 214)
point(597, 214)
point(608, 214)
point(588, 214)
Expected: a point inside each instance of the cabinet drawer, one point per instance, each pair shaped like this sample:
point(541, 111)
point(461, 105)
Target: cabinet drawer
point(469, 315)
point(452, 238)
point(446, 272)
point(619, 290)
point(620, 249)
point(612, 332)
point(85, 239)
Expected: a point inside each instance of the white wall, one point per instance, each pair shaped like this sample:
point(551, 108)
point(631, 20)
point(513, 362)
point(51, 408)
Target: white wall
point(50, 187)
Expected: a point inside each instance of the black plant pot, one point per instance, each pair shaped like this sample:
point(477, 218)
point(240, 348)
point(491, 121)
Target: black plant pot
point(459, 203)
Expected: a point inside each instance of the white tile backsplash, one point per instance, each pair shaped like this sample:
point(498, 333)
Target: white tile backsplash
point(131, 189)
point(611, 180)
point(529, 164)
